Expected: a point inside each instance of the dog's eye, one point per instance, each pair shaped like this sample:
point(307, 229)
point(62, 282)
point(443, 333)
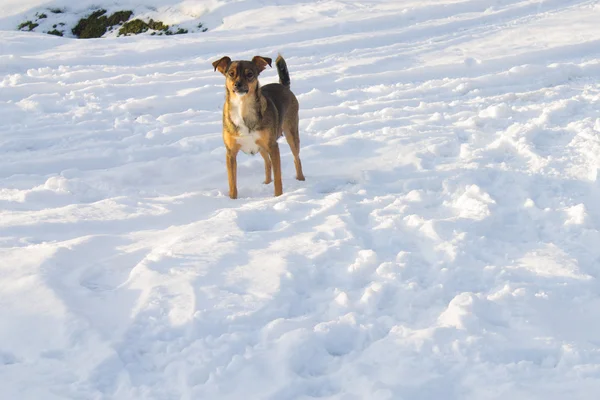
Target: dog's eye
point(249, 75)
point(231, 74)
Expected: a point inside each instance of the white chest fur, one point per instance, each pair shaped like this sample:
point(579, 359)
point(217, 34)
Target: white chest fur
point(248, 143)
point(247, 138)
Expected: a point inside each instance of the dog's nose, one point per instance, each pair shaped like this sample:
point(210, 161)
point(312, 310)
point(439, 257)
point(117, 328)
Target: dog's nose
point(238, 85)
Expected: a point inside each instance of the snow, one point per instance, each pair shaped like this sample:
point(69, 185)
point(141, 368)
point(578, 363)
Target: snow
point(443, 246)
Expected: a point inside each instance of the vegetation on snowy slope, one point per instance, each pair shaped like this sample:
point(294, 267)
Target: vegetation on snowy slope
point(98, 23)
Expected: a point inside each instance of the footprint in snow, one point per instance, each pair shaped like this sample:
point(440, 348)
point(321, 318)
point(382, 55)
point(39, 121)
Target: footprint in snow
point(257, 220)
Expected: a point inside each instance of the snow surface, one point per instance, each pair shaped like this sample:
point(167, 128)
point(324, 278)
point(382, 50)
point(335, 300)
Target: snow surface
point(445, 244)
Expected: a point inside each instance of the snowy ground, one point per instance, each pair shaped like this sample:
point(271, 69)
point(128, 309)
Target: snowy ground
point(445, 244)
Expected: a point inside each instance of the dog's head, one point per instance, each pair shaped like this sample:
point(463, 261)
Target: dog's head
point(242, 76)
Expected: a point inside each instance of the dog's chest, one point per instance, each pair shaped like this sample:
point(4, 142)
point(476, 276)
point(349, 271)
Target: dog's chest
point(248, 143)
point(247, 138)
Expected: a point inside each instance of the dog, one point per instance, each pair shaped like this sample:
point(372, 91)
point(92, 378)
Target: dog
point(255, 116)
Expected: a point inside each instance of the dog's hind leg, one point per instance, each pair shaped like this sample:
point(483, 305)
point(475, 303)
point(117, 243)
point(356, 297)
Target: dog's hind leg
point(292, 135)
point(265, 156)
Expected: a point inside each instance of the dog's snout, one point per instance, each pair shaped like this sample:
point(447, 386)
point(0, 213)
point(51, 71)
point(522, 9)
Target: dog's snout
point(238, 84)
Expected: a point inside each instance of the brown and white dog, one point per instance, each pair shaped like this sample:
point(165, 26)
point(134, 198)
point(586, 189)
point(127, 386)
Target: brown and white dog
point(254, 117)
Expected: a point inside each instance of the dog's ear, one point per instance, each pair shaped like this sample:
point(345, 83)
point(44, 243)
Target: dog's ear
point(222, 65)
point(261, 62)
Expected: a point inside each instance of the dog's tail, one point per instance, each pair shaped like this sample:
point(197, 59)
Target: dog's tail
point(282, 71)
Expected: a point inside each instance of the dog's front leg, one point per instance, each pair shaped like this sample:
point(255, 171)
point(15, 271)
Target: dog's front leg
point(232, 172)
point(267, 159)
point(276, 161)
